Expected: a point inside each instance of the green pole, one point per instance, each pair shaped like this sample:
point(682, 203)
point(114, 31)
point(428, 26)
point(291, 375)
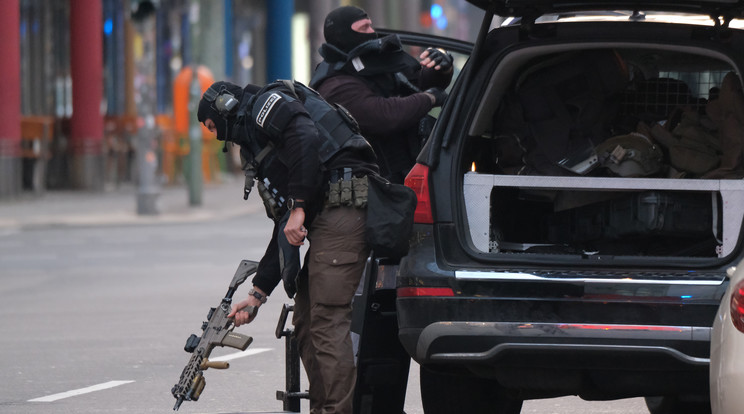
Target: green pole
point(195, 144)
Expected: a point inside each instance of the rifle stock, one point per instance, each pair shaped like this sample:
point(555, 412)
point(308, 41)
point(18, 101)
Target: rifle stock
point(217, 331)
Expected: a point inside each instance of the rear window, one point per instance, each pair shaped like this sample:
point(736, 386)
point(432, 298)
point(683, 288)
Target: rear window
point(609, 151)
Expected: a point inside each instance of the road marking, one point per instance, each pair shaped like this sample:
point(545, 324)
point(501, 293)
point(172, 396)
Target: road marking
point(242, 354)
point(93, 388)
point(112, 384)
point(8, 232)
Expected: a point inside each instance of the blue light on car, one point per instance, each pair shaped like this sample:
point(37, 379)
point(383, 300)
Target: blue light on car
point(436, 11)
point(442, 23)
point(686, 296)
point(108, 27)
point(437, 15)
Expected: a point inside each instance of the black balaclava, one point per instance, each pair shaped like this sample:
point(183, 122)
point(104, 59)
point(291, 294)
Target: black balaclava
point(207, 109)
point(337, 29)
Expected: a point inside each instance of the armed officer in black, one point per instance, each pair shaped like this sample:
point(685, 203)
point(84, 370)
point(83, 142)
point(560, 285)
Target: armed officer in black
point(300, 149)
point(387, 90)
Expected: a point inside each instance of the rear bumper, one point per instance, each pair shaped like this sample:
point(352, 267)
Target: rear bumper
point(545, 360)
point(544, 333)
point(501, 339)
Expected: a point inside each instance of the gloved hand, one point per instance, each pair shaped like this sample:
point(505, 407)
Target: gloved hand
point(438, 94)
point(437, 59)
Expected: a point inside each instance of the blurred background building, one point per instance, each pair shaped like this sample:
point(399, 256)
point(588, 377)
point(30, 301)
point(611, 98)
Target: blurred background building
point(99, 93)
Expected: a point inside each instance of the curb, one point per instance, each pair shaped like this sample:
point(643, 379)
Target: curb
point(117, 208)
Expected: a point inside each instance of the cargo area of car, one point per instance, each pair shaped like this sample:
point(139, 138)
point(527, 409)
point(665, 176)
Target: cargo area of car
point(608, 151)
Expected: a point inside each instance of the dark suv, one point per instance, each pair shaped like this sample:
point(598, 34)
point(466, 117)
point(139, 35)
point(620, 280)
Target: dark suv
point(580, 199)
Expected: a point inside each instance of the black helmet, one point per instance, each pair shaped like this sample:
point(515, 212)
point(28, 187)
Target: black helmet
point(219, 103)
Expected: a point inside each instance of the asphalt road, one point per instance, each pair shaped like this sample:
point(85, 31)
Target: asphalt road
point(94, 319)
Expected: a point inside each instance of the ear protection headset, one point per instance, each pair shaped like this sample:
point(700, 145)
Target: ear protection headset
point(222, 101)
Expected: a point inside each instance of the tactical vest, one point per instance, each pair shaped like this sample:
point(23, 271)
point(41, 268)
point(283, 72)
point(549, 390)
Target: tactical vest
point(380, 63)
point(270, 111)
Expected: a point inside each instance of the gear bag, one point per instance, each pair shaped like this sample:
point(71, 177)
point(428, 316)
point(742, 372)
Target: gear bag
point(390, 209)
point(692, 146)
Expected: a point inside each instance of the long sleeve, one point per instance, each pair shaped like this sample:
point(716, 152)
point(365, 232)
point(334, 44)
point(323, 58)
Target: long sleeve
point(268, 274)
point(375, 114)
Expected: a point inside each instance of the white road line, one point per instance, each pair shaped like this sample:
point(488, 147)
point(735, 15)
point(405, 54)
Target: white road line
point(8, 232)
point(93, 388)
point(111, 384)
point(241, 354)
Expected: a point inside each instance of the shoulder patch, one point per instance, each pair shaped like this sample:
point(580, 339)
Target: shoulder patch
point(265, 110)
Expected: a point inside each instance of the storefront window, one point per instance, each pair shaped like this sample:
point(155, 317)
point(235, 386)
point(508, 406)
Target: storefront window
point(45, 58)
point(114, 66)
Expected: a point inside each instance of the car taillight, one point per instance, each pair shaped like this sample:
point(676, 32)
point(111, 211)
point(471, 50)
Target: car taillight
point(737, 306)
point(418, 180)
point(406, 292)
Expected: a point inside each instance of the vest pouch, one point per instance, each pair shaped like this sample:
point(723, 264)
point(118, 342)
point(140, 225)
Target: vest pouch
point(334, 195)
point(270, 204)
point(361, 190)
point(346, 193)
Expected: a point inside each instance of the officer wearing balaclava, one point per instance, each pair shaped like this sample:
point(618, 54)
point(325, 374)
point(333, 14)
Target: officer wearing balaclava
point(387, 90)
point(288, 149)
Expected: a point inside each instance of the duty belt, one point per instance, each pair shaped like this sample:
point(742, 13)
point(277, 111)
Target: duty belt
point(346, 189)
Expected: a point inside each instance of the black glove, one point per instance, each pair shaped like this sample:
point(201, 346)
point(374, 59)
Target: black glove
point(442, 59)
point(439, 95)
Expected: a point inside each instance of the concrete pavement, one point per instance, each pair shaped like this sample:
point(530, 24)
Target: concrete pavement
point(222, 199)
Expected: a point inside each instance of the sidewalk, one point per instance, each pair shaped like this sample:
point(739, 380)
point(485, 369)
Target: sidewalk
point(223, 199)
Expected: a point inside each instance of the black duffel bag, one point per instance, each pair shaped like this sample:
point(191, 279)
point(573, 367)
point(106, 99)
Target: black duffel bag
point(390, 209)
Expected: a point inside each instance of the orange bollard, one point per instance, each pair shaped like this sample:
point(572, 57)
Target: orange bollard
point(182, 114)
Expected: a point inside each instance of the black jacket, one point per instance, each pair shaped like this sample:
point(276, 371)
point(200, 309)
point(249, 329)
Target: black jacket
point(387, 108)
point(276, 117)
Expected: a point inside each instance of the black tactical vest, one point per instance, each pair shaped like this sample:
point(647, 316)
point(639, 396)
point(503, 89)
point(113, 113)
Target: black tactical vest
point(271, 109)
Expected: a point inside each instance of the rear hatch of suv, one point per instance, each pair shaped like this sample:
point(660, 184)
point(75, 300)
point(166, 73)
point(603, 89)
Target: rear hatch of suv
point(580, 199)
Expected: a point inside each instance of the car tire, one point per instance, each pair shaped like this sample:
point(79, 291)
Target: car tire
point(443, 393)
point(676, 405)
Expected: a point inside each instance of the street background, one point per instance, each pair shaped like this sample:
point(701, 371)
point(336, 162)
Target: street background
point(91, 292)
point(98, 94)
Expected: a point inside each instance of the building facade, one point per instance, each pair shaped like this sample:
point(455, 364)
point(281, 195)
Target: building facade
point(88, 83)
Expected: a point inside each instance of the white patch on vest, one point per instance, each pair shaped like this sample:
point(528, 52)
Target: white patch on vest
point(358, 65)
point(266, 108)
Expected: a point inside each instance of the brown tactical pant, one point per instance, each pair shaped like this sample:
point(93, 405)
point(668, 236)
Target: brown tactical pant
point(322, 311)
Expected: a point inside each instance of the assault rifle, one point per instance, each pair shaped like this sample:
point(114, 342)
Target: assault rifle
point(218, 331)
